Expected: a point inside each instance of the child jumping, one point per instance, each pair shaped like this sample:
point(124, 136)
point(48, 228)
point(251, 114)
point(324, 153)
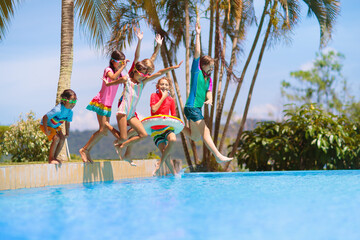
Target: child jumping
point(101, 104)
point(164, 137)
point(51, 122)
point(200, 93)
point(139, 75)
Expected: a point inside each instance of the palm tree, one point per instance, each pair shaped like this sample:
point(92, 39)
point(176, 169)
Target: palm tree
point(279, 24)
point(94, 16)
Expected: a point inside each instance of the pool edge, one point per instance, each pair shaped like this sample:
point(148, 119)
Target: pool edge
point(41, 175)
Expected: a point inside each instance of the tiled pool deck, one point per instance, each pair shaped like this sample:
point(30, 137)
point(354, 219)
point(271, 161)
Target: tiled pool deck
point(40, 175)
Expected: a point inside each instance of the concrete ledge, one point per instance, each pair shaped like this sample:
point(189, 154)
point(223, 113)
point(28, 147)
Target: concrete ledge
point(40, 175)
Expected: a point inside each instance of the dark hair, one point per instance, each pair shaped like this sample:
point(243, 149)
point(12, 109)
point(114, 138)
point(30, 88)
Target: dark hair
point(117, 55)
point(145, 66)
point(206, 60)
point(67, 94)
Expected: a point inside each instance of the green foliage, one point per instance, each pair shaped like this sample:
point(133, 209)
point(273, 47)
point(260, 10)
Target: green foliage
point(25, 142)
point(3, 129)
point(152, 155)
point(319, 84)
point(309, 139)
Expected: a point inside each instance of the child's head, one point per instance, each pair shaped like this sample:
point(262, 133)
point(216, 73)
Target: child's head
point(207, 64)
point(68, 98)
point(116, 58)
point(163, 84)
point(142, 69)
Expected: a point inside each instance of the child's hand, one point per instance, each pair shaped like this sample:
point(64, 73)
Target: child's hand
point(198, 28)
point(106, 81)
point(165, 93)
point(177, 66)
point(139, 34)
point(209, 102)
point(47, 133)
point(159, 39)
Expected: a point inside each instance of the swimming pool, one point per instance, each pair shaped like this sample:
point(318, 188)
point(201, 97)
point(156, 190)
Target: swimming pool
point(259, 205)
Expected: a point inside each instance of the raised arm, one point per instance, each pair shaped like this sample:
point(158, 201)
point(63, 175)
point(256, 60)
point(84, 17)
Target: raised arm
point(114, 76)
point(161, 72)
point(159, 41)
point(137, 51)
point(197, 40)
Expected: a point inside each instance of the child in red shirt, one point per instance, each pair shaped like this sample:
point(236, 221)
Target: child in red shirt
point(164, 137)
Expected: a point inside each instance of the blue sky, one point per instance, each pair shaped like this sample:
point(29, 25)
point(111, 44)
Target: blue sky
point(30, 60)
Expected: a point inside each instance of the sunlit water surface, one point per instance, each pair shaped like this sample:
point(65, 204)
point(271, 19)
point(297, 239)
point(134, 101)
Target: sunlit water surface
point(261, 205)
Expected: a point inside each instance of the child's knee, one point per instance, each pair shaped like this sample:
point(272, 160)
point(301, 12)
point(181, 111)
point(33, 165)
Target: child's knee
point(172, 139)
point(143, 135)
point(196, 138)
point(103, 131)
point(56, 138)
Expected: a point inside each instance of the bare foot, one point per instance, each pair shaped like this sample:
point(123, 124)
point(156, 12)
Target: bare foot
point(128, 159)
point(118, 149)
point(54, 161)
point(223, 159)
point(157, 168)
point(85, 155)
point(177, 165)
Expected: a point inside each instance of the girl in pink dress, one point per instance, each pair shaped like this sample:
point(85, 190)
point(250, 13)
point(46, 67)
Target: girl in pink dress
point(101, 104)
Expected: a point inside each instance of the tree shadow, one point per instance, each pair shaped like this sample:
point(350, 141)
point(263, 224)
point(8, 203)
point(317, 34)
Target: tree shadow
point(98, 172)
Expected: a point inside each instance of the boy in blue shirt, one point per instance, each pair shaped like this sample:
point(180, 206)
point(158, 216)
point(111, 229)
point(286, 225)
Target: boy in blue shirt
point(51, 122)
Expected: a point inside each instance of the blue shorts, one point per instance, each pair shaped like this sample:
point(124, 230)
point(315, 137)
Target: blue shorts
point(193, 113)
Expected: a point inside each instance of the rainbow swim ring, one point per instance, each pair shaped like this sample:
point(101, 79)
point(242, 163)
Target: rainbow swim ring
point(167, 120)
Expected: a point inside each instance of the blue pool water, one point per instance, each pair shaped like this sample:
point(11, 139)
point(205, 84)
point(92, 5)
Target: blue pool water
point(261, 205)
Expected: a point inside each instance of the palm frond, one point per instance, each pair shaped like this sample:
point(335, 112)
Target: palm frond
point(7, 9)
point(94, 17)
point(326, 12)
point(124, 20)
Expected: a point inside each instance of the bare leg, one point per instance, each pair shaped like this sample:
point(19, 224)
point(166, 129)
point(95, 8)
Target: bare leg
point(166, 150)
point(204, 131)
point(138, 127)
point(122, 124)
point(53, 147)
point(95, 138)
point(156, 172)
point(60, 144)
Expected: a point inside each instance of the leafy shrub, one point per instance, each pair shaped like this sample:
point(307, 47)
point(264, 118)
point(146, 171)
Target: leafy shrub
point(310, 138)
point(25, 142)
point(3, 129)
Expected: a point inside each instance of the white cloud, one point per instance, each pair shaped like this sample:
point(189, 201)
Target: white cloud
point(84, 120)
point(307, 66)
point(264, 112)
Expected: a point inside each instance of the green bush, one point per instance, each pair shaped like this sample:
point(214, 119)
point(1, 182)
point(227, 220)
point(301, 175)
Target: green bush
point(309, 139)
point(3, 129)
point(25, 142)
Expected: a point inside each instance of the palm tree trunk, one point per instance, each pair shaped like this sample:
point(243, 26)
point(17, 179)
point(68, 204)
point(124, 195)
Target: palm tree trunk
point(243, 120)
point(243, 75)
point(67, 36)
point(211, 31)
point(187, 47)
point(220, 105)
point(66, 56)
point(217, 61)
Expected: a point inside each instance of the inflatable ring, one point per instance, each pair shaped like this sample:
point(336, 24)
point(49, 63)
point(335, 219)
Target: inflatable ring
point(167, 120)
